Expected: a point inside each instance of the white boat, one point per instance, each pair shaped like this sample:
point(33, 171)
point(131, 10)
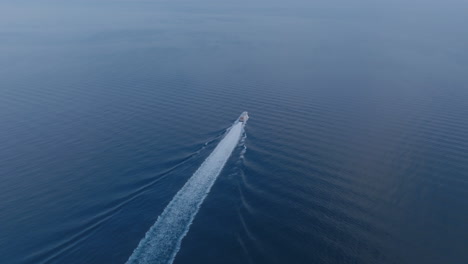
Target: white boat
point(243, 117)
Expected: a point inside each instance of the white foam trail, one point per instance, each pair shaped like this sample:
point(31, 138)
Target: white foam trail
point(244, 147)
point(162, 242)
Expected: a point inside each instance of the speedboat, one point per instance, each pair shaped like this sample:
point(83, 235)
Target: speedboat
point(243, 117)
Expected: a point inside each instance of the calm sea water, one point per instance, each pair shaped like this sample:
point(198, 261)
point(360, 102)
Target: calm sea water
point(356, 150)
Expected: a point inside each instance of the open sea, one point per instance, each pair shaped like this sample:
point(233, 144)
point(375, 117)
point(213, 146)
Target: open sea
point(356, 150)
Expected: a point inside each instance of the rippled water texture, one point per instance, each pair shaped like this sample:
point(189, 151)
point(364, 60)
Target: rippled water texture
point(356, 150)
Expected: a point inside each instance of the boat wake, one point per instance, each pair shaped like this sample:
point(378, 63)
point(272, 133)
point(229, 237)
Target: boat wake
point(162, 242)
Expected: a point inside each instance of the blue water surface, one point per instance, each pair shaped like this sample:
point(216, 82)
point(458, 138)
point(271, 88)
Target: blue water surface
point(356, 150)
